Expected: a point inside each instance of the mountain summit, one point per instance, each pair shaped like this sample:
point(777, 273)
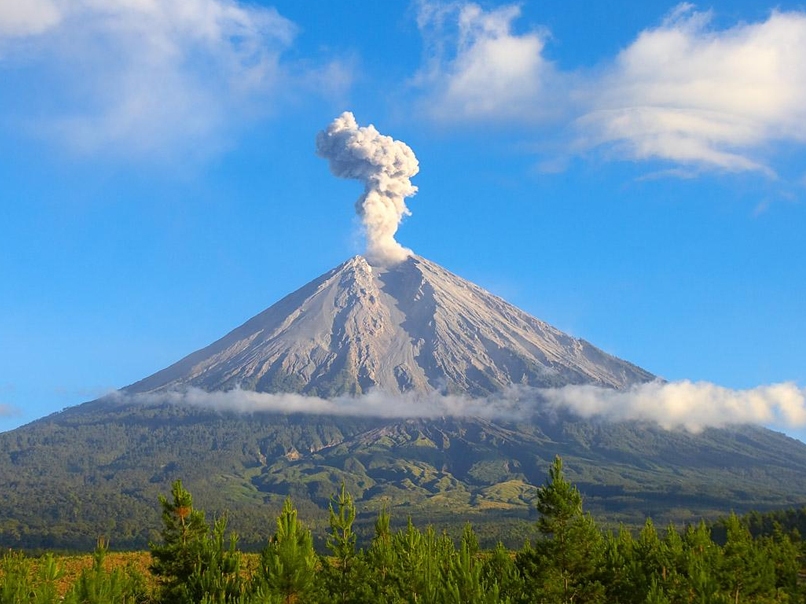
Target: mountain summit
point(99, 467)
point(412, 327)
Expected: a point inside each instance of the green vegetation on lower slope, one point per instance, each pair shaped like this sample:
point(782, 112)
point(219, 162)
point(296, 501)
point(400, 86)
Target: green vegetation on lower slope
point(98, 468)
point(566, 559)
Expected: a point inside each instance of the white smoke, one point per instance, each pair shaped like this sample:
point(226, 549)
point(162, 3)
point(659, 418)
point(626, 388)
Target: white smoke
point(385, 166)
point(671, 405)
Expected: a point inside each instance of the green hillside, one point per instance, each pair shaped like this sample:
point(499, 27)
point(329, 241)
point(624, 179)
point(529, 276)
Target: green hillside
point(98, 468)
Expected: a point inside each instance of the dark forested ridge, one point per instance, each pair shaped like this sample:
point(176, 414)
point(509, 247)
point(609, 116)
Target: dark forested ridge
point(567, 558)
point(98, 468)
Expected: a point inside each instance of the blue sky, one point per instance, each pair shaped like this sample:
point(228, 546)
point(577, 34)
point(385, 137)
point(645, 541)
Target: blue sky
point(632, 173)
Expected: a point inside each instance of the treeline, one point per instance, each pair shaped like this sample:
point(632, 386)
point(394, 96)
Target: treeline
point(571, 560)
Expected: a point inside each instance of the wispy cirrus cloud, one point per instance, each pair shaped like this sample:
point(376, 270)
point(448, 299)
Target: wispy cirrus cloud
point(684, 92)
point(691, 94)
point(146, 76)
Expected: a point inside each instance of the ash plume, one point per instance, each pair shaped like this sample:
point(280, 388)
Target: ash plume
point(385, 166)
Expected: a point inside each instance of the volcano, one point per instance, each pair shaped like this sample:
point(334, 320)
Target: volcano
point(411, 328)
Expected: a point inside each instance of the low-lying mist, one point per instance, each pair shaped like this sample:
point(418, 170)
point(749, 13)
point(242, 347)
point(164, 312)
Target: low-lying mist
point(692, 406)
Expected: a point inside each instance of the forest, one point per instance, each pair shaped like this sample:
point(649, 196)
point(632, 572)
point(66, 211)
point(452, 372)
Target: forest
point(570, 559)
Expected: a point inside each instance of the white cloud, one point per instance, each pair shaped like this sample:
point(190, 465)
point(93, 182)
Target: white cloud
point(8, 411)
point(686, 404)
point(672, 405)
point(683, 92)
point(693, 95)
point(23, 18)
point(489, 72)
point(146, 76)
point(373, 404)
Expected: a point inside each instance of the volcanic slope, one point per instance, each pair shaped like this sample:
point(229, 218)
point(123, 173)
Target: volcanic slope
point(97, 468)
point(412, 327)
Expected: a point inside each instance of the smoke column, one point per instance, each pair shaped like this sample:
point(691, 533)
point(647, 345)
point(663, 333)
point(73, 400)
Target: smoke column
point(385, 166)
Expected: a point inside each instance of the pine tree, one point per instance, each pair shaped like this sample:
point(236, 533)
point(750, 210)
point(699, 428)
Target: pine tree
point(500, 568)
point(345, 579)
point(675, 565)
point(410, 572)
point(288, 562)
point(17, 577)
point(20, 584)
point(565, 557)
point(744, 569)
point(49, 572)
point(655, 594)
point(96, 585)
point(463, 581)
point(381, 558)
point(701, 562)
point(470, 539)
point(784, 551)
point(620, 572)
point(184, 533)
point(651, 560)
point(217, 578)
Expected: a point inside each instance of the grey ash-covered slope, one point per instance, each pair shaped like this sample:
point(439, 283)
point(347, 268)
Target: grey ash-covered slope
point(412, 327)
